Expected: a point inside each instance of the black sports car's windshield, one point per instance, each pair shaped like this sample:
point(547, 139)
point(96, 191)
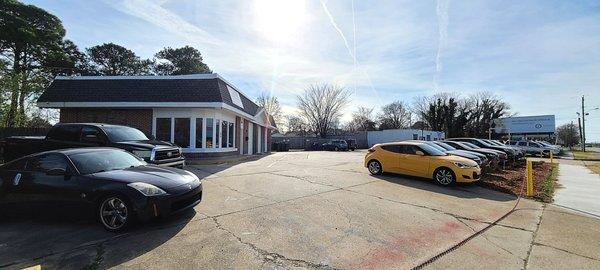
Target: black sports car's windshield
point(432, 151)
point(102, 161)
point(123, 134)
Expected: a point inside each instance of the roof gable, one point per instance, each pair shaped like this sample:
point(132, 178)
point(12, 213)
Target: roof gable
point(150, 89)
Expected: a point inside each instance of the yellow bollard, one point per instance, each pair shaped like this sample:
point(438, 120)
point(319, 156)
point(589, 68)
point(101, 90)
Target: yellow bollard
point(551, 157)
point(529, 178)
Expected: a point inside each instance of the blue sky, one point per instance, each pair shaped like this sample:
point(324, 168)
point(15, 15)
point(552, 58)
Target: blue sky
point(540, 56)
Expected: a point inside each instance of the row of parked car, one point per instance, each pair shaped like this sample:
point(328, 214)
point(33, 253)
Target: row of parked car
point(448, 161)
point(114, 172)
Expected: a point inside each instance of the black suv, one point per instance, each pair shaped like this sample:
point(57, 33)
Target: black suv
point(335, 145)
point(79, 135)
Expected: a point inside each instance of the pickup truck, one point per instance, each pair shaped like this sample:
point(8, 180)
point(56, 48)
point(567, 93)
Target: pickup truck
point(77, 135)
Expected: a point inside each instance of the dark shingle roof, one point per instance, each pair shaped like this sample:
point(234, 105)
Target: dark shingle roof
point(185, 88)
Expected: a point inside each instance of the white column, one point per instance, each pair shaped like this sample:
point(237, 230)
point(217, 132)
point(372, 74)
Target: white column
point(203, 132)
point(258, 140)
point(266, 146)
point(250, 133)
point(172, 129)
point(193, 133)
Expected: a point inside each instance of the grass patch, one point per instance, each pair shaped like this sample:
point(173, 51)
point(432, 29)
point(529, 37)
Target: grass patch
point(594, 168)
point(548, 185)
point(588, 155)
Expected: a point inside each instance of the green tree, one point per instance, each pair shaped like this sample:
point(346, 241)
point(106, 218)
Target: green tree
point(27, 32)
point(179, 61)
point(111, 59)
point(66, 59)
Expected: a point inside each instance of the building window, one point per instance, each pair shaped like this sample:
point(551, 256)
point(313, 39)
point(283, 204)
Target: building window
point(209, 133)
point(199, 130)
point(224, 134)
point(231, 135)
point(218, 133)
point(163, 129)
point(182, 132)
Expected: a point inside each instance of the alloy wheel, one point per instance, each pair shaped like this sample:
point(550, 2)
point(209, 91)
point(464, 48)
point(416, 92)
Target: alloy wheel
point(113, 213)
point(444, 177)
point(374, 167)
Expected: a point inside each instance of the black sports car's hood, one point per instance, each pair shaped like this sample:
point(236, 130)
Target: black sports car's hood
point(146, 144)
point(161, 177)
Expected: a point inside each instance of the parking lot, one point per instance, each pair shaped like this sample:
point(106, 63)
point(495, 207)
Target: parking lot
point(294, 210)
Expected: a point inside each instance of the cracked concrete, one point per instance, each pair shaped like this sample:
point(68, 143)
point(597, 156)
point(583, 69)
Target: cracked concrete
point(317, 210)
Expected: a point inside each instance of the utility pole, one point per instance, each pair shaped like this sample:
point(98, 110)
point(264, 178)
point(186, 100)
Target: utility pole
point(583, 123)
point(579, 126)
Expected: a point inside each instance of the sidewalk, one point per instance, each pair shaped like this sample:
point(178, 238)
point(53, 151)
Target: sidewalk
point(579, 189)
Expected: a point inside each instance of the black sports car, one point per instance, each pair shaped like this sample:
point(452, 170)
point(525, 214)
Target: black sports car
point(117, 185)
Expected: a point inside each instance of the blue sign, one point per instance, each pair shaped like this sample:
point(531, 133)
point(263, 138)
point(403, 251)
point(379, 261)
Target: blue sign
point(526, 124)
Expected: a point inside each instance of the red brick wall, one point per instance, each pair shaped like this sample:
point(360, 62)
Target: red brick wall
point(137, 118)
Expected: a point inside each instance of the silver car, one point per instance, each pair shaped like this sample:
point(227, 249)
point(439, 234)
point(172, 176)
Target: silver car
point(531, 148)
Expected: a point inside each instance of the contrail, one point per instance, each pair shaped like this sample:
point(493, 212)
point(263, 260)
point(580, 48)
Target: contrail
point(354, 44)
point(442, 15)
point(337, 28)
point(352, 54)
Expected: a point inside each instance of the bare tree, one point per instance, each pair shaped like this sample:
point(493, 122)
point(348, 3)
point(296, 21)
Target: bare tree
point(296, 124)
point(322, 105)
point(394, 115)
point(271, 106)
point(362, 120)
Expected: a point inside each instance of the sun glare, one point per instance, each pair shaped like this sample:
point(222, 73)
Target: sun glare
point(279, 20)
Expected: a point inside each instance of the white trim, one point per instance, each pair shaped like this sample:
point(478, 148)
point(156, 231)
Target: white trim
point(209, 150)
point(216, 105)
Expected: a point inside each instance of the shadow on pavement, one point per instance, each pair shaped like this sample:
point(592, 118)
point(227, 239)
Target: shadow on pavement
point(50, 235)
point(460, 190)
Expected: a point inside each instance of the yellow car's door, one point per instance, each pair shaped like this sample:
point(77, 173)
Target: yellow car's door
point(413, 164)
point(389, 158)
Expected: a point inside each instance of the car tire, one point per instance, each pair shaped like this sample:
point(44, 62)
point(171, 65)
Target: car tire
point(375, 167)
point(336, 149)
point(444, 176)
point(115, 213)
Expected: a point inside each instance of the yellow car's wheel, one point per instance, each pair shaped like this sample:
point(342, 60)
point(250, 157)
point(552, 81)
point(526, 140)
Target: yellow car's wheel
point(375, 167)
point(444, 176)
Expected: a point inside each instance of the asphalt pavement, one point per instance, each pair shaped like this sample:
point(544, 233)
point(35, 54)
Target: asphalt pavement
point(318, 210)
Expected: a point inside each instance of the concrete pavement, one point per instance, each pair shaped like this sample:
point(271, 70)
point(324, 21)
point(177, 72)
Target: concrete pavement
point(314, 210)
point(579, 188)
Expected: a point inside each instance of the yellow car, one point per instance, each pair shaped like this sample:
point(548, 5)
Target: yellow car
point(421, 160)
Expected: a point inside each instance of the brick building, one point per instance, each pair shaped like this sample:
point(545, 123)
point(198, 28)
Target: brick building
point(202, 113)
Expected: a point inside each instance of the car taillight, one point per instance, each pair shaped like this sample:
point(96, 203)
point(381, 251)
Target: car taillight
point(371, 150)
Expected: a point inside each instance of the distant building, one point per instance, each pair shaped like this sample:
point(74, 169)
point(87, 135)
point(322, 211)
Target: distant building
point(395, 135)
point(526, 127)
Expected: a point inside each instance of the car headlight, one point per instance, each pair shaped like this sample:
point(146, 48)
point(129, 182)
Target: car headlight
point(145, 154)
point(147, 189)
point(462, 165)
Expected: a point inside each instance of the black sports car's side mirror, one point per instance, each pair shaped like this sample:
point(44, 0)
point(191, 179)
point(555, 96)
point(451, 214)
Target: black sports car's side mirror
point(56, 172)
